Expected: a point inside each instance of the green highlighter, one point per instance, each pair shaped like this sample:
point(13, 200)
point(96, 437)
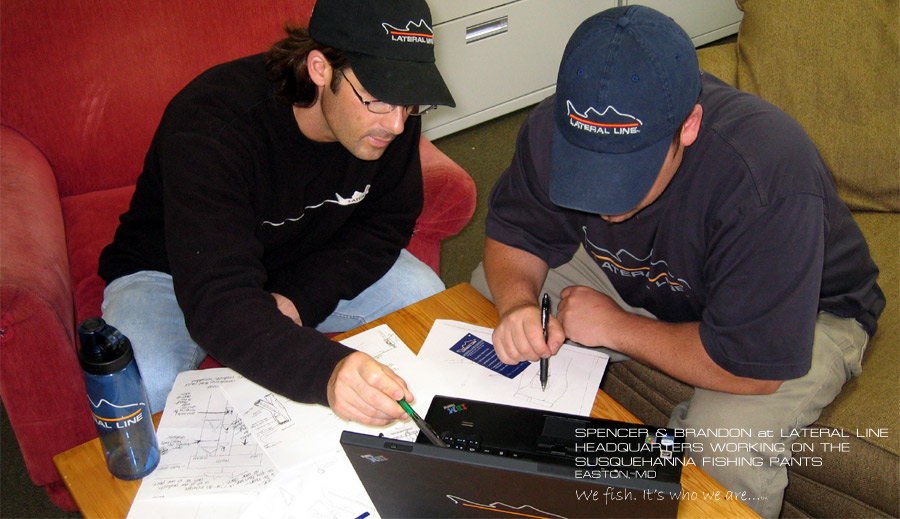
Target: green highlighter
point(423, 426)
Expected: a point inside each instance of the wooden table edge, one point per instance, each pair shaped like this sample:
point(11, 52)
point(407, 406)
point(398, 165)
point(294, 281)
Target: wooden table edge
point(411, 324)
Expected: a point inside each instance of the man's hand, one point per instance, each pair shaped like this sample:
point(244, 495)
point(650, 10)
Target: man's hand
point(286, 306)
point(362, 390)
point(515, 278)
point(588, 316)
point(519, 336)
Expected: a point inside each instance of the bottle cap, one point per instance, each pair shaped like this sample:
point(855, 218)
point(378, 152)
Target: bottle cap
point(104, 349)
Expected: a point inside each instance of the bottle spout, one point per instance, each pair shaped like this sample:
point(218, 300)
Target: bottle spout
point(87, 335)
point(98, 337)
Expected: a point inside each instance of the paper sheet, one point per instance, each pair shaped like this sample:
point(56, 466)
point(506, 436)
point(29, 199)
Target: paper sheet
point(291, 432)
point(205, 449)
point(232, 449)
point(312, 484)
point(574, 377)
point(224, 435)
point(325, 487)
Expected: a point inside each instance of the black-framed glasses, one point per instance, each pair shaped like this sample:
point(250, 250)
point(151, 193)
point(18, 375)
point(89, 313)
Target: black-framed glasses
point(381, 108)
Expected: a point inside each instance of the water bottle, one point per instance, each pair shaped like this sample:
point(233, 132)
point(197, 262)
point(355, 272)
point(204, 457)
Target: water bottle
point(118, 400)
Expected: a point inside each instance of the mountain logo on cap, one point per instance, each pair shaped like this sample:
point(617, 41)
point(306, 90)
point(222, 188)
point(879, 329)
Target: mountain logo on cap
point(414, 32)
point(608, 122)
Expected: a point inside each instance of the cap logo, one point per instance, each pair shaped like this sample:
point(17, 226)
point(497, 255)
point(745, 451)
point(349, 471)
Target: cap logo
point(413, 32)
point(608, 122)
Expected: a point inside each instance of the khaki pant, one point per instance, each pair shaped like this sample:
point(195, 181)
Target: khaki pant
point(743, 441)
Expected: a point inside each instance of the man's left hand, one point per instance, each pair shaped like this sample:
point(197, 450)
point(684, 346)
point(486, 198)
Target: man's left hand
point(363, 390)
point(588, 316)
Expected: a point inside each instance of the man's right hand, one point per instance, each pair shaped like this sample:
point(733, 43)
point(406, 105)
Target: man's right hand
point(515, 278)
point(363, 390)
point(520, 337)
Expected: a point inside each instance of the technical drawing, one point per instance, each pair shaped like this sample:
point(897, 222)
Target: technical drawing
point(324, 488)
point(275, 407)
point(557, 384)
point(205, 446)
point(224, 441)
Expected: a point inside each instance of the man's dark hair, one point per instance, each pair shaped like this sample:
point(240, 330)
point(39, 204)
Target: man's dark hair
point(286, 66)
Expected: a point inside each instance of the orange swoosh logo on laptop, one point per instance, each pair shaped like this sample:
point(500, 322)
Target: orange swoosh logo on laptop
point(505, 511)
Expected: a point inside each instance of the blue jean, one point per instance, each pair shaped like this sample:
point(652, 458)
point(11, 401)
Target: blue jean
point(143, 307)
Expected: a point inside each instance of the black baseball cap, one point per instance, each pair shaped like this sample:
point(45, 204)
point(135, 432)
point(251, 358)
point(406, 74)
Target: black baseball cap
point(389, 44)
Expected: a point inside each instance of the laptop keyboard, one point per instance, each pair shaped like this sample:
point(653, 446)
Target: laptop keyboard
point(472, 443)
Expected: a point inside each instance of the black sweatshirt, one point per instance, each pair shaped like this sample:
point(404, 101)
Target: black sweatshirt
point(236, 203)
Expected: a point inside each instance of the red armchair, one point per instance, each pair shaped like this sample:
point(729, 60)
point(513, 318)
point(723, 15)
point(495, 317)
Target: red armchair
point(84, 85)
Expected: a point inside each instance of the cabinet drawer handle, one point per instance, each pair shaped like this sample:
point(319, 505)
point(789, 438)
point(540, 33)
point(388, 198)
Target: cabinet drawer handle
point(487, 29)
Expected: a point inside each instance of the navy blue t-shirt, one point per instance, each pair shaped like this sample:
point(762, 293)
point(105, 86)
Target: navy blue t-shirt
point(750, 237)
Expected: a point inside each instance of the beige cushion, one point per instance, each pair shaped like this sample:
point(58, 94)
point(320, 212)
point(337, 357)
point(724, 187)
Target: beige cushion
point(870, 401)
point(839, 79)
point(720, 61)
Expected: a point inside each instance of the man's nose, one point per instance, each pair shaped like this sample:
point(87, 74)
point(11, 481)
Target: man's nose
point(395, 120)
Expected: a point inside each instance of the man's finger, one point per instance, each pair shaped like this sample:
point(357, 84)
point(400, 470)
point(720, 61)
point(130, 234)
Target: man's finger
point(381, 388)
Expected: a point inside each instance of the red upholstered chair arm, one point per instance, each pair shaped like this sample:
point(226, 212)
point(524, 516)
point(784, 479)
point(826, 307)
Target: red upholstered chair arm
point(450, 197)
point(37, 336)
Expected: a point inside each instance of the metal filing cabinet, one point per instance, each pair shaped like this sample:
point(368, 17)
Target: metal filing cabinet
point(498, 56)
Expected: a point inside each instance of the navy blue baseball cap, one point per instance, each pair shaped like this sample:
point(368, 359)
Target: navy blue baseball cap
point(389, 45)
point(629, 77)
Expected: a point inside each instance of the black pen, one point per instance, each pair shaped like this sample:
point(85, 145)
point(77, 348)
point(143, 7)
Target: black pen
point(545, 318)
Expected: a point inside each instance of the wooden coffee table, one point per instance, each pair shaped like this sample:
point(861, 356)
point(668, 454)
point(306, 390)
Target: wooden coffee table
point(100, 495)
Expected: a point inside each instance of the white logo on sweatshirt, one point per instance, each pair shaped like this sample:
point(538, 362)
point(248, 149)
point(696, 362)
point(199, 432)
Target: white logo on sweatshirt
point(355, 198)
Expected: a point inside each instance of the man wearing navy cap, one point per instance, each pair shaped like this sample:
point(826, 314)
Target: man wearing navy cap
point(687, 225)
point(275, 203)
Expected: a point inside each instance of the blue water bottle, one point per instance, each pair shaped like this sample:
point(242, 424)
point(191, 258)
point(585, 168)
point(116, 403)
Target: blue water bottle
point(118, 400)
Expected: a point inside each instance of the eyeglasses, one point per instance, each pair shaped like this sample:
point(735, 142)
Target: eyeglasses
point(380, 107)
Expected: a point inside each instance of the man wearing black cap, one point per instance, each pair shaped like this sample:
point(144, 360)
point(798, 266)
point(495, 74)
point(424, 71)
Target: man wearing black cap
point(692, 227)
point(276, 200)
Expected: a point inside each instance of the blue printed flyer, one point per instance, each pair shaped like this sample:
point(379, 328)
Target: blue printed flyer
point(482, 352)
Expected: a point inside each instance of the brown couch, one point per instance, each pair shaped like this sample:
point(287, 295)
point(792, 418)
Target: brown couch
point(834, 68)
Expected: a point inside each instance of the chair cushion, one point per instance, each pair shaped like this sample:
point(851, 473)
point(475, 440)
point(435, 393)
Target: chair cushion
point(121, 63)
point(91, 220)
point(838, 78)
point(450, 198)
point(870, 400)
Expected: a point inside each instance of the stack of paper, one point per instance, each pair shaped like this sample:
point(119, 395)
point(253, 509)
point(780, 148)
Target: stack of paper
point(233, 450)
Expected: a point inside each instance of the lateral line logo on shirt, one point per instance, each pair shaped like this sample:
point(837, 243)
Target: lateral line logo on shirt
point(414, 32)
point(608, 122)
point(627, 265)
point(355, 198)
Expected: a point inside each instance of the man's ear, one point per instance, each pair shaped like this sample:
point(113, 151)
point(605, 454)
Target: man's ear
point(319, 68)
point(691, 127)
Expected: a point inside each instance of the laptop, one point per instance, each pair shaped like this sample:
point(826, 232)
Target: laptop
point(507, 461)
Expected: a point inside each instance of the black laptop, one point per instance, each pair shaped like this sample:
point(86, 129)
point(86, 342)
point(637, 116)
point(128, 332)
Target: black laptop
point(506, 461)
